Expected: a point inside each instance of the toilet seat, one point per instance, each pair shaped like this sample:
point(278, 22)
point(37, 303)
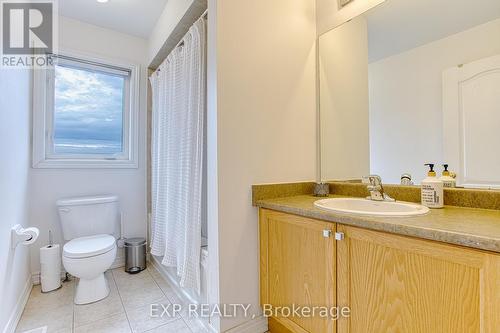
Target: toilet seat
point(90, 246)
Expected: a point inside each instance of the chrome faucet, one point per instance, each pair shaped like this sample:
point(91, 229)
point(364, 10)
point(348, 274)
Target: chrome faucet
point(377, 189)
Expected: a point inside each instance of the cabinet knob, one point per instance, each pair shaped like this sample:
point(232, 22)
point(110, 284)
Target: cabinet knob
point(327, 233)
point(339, 236)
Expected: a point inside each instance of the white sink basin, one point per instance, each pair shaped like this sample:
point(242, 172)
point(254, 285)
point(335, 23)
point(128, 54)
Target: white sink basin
point(360, 206)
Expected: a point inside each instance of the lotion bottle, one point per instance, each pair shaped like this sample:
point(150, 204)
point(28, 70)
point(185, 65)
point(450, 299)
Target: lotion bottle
point(448, 180)
point(432, 190)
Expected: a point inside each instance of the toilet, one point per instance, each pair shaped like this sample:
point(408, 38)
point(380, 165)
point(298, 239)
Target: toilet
point(90, 227)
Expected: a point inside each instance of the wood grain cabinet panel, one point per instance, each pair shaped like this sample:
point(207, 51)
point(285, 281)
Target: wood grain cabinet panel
point(297, 268)
point(399, 284)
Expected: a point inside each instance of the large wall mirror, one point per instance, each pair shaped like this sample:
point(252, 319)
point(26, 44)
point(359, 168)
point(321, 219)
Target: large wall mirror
point(411, 82)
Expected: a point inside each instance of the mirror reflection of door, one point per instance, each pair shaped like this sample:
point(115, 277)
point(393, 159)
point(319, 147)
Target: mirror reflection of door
point(471, 108)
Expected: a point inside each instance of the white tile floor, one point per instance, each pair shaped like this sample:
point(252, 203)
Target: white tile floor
point(125, 310)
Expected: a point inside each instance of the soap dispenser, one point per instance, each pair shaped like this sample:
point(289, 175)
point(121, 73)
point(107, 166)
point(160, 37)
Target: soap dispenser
point(448, 180)
point(432, 189)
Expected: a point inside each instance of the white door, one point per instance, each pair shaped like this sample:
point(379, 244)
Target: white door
point(471, 120)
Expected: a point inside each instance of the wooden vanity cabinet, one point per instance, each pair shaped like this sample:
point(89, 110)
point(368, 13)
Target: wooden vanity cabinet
point(391, 283)
point(297, 266)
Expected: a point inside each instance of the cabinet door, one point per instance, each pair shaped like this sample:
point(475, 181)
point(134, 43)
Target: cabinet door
point(399, 284)
point(297, 268)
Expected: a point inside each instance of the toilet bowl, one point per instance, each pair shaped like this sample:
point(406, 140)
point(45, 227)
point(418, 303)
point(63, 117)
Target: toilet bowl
point(87, 258)
point(90, 225)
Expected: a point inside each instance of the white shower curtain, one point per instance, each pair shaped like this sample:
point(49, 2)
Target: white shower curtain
point(178, 92)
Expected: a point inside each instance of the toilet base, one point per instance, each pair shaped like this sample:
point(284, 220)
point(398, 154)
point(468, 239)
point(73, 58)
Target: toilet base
point(90, 291)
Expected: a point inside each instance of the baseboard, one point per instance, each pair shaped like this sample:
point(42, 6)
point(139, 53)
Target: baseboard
point(35, 277)
point(255, 325)
point(19, 308)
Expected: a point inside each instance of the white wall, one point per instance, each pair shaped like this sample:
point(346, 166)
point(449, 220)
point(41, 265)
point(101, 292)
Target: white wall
point(328, 16)
point(262, 126)
point(406, 101)
point(48, 185)
point(171, 16)
point(345, 145)
point(15, 110)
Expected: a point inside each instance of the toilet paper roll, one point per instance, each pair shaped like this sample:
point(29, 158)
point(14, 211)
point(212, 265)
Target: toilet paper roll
point(50, 262)
point(32, 235)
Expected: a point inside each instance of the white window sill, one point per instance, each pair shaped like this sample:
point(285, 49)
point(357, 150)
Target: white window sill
point(85, 164)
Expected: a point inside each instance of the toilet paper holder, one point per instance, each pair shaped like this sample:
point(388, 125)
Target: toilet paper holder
point(26, 236)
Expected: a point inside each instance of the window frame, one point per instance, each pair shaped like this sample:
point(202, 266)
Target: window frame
point(44, 155)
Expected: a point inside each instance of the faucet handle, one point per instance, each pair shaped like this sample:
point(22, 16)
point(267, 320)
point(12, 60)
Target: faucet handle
point(376, 189)
point(366, 180)
point(375, 180)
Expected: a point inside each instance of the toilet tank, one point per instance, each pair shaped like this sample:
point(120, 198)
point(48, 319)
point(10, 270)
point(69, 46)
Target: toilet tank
point(87, 216)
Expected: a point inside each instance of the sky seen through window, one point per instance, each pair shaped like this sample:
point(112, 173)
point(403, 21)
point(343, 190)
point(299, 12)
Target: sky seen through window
point(88, 111)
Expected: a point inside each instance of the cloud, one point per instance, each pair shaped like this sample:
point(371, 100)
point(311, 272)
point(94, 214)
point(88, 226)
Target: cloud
point(88, 105)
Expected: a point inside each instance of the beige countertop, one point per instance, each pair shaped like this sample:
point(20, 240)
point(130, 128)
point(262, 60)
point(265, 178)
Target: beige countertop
point(470, 227)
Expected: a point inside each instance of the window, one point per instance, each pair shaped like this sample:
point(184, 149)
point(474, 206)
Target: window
point(85, 114)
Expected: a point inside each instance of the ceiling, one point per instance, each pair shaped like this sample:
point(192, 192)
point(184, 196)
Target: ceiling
point(400, 25)
point(133, 17)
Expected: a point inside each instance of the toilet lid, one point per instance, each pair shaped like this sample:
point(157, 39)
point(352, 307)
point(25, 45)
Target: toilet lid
point(90, 246)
